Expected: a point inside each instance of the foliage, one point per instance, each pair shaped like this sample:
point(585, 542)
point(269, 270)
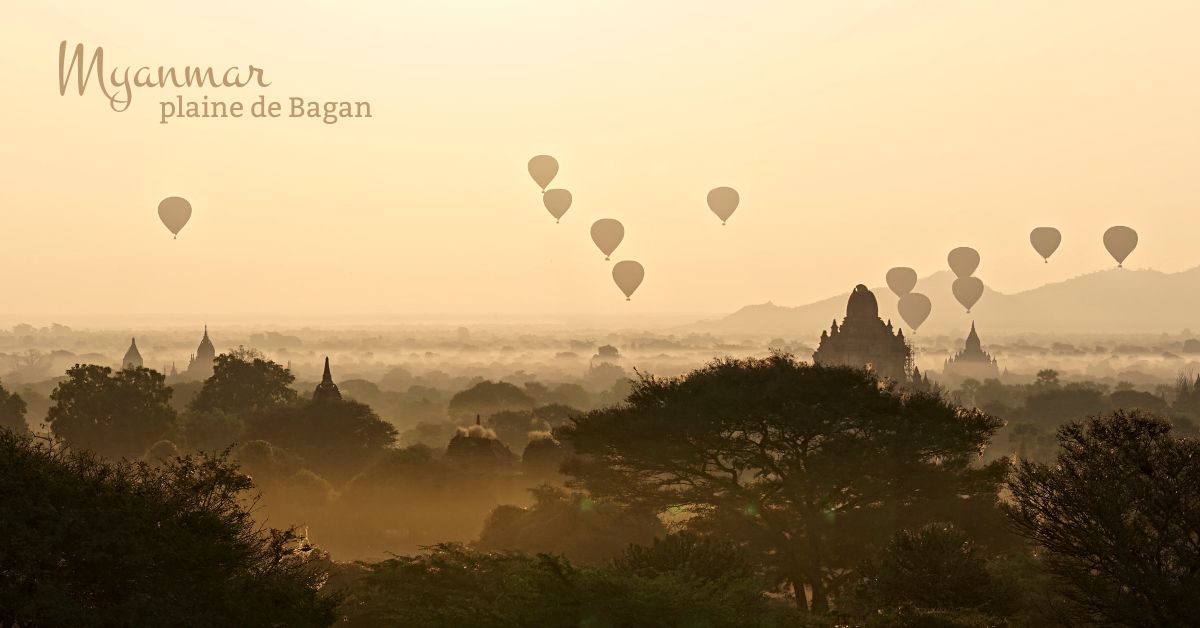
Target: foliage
point(12, 411)
point(93, 543)
point(335, 438)
point(933, 567)
point(704, 558)
point(812, 466)
point(244, 383)
point(113, 414)
point(585, 530)
point(454, 586)
point(1118, 514)
point(487, 398)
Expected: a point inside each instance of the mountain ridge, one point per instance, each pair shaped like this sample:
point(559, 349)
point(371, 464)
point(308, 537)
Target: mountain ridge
point(1115, 300)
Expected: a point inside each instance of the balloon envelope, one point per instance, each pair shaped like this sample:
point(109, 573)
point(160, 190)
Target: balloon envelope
point(607, 234)
point(557, 202)
point(174, 213)
point(1045, 241)
point(1120, 242)
point(628, 275)
point(914, 309)
point(902, 280)
point(543, 168)
point(963, 261)
point(967, 290)
point(722, 202)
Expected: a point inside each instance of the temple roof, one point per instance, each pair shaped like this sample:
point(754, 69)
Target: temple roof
point(327, 390)
point(206, 346)
point(862, 304)
point(973, 344)
point(132, 357)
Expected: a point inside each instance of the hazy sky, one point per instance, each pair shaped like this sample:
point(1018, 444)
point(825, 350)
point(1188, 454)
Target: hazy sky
point(861, 135)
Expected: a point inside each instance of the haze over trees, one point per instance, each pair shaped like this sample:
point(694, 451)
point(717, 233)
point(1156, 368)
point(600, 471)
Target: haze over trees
point(747, 492)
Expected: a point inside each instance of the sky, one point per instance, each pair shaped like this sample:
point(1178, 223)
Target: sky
point(860, 136)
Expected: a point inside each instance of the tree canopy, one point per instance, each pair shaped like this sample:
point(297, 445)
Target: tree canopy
point(113, 414)
point(1119, 515)
point(809, 466)
point(245, 383)
point(12, 411)
point(94, 543)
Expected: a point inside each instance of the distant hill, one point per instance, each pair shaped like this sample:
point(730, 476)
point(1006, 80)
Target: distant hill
point(1108, 301)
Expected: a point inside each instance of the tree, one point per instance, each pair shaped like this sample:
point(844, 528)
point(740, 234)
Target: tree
point(336, 438)
point(94, 543)
point(933, 567)
point(1130, 399)
point(809, 465)
point(705, 558)
point(12, 411)
point(1118, 514)
point(583, 529)
point(244, 383)
point(451, 585)
point(487, 398)
point(1047, 378)
point(113, 414)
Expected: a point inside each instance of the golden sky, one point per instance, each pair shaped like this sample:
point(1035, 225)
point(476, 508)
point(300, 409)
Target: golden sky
point(861, 135)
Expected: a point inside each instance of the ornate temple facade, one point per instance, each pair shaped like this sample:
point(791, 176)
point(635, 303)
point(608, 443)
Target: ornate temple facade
point(972, 362)
point(133, 357)
point(864, 341)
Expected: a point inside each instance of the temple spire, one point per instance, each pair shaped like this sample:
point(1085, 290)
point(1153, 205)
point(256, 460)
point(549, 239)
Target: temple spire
point(327, 390)
point(133, 358)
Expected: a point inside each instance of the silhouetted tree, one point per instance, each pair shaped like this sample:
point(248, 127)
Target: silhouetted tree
point(113, 414)
point(933, 567)
point(211, 430)
point(454, 586)
point(574, 525)
point(487, 398)
point(335, 438)
point(1119, 515)
point(1047, 378)
point(12, 411)
point(1057, 404)
point(1136, 399)
point(809, 464)
point(93, 543)
point(705, 558)
point(245, 383)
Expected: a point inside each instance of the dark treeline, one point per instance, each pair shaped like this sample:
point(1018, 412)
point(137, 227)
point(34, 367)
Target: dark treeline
point(756, 492)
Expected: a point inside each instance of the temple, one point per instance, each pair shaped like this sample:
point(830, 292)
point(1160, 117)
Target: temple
point(327, 390)
point(972, 362)
point(865, 341)
point(200, 366)
point(133, 358)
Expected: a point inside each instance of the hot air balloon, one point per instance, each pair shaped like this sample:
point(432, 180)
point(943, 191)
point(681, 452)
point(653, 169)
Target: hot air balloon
point(722, 202)
point(967, 290)
point(1120, 242)
point(607, 234)
point(174, 213)
point(628, 275)
point(543, 168)
point(963, 261)
point(914, 309)
point(1045, 241)
point(557, 202)
point(901, 280)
